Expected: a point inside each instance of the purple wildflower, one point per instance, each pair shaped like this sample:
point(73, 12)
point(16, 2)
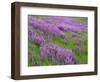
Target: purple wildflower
point(57, 53)
point(36, 37)
point(45, 27)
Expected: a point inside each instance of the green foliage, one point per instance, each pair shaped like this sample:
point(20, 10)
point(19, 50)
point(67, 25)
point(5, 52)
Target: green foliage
point(45, 62)
point(68, 43)
point(33, 51)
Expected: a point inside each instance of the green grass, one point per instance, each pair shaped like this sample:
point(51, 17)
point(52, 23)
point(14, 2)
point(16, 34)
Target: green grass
point(69, 43)
point(33, 48)
point(33, 51)
point(45, 62)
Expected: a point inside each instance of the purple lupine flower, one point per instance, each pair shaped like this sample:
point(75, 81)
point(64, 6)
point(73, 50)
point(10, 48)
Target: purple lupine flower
point(63, 26)
point(45, 27)
point(69, 56)
point(35, 37)
point(66, 55)
point(38, 38)
point(62, 19)
point(57, 53)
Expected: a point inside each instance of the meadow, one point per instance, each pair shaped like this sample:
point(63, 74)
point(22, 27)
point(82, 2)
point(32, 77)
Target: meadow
point(57, 40)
